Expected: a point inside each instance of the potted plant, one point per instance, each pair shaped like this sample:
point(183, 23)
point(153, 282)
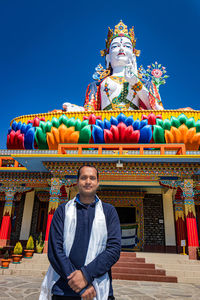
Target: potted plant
point(39, 244)
point(17, 253)
point(29, 248)
point(5, 261)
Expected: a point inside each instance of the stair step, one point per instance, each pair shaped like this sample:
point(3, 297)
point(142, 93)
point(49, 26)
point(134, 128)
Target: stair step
point(142, 277)
point(136, 271)
point(132, 259)
point(128, 254)
point(134, 265)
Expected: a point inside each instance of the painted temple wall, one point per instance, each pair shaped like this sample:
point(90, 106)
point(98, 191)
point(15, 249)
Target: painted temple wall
point(170, 238)
point(27, 216)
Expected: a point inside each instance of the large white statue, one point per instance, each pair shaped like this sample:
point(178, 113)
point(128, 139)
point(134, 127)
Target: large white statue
point(120, 85)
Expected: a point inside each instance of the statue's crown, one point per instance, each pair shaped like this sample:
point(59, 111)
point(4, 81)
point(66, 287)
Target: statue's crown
point(120, 30)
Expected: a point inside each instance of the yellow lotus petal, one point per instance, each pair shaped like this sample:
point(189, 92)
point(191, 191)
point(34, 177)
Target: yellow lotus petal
point(190, 134)
point(55, 133)
point(183, 130)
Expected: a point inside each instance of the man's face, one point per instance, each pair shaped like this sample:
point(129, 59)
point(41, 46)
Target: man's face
point(88, 182)
point(120, 52)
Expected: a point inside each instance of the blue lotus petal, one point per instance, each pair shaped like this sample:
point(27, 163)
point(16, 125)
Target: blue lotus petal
point(29, 138)
point(107, 124)
point(98, 134)
point(136, 124)
point(129, 121)
point(99, 123)
point(14, 125)
point(30, 125)
point(113, 121)
point(143, 123)
point(19, 125)
point(145, 134)
point(23, 128)
point(121, 118)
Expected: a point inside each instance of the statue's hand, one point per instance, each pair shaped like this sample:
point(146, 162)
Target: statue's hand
point(130, 75)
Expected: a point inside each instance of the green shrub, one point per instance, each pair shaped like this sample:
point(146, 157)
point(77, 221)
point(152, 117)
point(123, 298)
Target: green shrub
point(30, 243)
point(18, 248)
point(39, 244)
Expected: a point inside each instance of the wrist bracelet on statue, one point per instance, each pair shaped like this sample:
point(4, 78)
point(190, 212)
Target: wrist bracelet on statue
point(138, 86)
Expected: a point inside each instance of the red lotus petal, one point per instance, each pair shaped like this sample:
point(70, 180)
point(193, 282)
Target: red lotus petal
point(108, 136)
point(151, 119)
point(135, 137)
point(128, 134)
point(115, 132)
point(122, 128)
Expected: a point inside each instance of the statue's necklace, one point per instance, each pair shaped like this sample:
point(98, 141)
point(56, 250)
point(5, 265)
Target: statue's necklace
point(117, 79)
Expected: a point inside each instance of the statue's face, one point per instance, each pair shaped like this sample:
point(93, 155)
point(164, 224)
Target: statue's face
point(120, 52)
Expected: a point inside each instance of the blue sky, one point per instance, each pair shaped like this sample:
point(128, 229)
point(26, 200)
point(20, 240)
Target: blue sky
point(49, 50)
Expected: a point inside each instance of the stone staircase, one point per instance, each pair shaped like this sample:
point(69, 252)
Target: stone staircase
point(131, 267)
point(186, 270)
point(35, 266)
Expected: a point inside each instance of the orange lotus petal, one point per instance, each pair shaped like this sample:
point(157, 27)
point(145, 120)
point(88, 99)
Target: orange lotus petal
point(190, 134)
point(55, 133)
point(196, 139)
point(169, 137)
point(176, 134)
point(68, 132)
point(51, 141)
point(62, 130)
point(183, 130)
point(74, 137)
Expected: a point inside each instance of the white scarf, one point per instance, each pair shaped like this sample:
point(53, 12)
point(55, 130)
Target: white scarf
point(97, 244)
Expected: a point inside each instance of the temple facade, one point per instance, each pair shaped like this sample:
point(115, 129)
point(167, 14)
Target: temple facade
point(155, 186)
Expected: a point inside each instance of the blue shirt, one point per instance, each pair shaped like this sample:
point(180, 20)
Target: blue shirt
point(63, 265)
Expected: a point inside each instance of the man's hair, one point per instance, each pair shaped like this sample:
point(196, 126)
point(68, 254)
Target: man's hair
point(87, 165)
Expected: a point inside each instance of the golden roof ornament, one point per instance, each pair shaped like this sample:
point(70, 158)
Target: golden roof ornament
point(120, 30)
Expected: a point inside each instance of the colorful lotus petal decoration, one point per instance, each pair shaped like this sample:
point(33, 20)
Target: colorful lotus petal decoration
point(38, 134)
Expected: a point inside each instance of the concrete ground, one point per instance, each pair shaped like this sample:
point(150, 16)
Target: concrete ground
point(12, 287)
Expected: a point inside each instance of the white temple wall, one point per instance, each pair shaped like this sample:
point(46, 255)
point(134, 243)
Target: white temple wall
point(170, 238)
point(27, 216)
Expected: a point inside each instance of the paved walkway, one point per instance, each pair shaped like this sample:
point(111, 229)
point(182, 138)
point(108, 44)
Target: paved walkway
point(12, 287)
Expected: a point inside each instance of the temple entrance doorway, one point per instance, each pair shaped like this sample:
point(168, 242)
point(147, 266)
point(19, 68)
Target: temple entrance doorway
point(129, 226)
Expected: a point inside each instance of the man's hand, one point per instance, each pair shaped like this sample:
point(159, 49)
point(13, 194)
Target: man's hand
point(77, 281)
point(89, 294)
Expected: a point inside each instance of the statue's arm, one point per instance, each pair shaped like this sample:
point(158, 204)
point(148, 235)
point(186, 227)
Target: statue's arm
point(92, 97)
point(150, 98)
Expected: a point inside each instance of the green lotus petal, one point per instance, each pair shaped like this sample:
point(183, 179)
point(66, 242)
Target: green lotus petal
point(48, 126)
point(71, 122)
point(78, 125)
point(85, 135)
point(182, 118)
point(197, 125)
point(190, 123)
point(166, 124)
point(175, 122)
point(41, 138)
point(159, 122)
point(158, 134)
point(42, 125)
point(63, 120)
point(55, 122)
point(84, 123)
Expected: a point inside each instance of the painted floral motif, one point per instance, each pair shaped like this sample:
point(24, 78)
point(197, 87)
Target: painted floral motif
point(155, 73)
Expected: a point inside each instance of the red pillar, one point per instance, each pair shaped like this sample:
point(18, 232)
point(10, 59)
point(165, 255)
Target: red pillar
point(5, 230)
point(53, 204)
point(179, 219)
point(191, 223)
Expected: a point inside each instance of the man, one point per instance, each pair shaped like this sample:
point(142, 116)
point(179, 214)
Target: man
point(84, 243)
